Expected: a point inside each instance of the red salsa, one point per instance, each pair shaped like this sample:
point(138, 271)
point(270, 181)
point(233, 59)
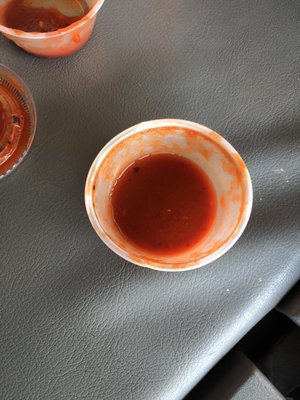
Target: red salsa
point(20, 15)
point(164, 204)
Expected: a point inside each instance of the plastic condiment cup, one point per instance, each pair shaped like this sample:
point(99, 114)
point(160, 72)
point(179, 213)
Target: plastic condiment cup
point(210, 151)
point(60, 43)
point(19, 124)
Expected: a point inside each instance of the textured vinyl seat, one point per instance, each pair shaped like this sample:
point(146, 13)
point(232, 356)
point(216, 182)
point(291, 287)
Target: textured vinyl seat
point(78, 322)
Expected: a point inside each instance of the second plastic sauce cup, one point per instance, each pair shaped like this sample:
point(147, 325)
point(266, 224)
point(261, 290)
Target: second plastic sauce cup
point(60, 43)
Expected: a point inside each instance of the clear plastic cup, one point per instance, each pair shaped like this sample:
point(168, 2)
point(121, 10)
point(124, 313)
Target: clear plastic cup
point(17, 121)
point(60, 43)
point(210, 151)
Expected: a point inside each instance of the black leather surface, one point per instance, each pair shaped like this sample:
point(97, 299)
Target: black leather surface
point(77, 322)
point(290, 305)
point(236, 378)
point(281, 364)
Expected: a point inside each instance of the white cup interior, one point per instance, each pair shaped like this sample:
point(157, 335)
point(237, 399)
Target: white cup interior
point(209, 151)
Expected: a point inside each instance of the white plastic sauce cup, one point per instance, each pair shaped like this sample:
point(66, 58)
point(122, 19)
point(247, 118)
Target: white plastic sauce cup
point(60, 43)
point(210, 151)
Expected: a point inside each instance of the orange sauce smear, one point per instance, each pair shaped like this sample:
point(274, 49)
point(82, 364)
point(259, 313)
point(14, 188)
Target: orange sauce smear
point(3, 121)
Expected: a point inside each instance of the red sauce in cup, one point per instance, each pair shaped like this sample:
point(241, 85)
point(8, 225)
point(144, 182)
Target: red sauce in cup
point(16, 124)
point(164, 204)
point(22, 16)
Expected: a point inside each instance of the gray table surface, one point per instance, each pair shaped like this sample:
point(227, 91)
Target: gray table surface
point(78, 322)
